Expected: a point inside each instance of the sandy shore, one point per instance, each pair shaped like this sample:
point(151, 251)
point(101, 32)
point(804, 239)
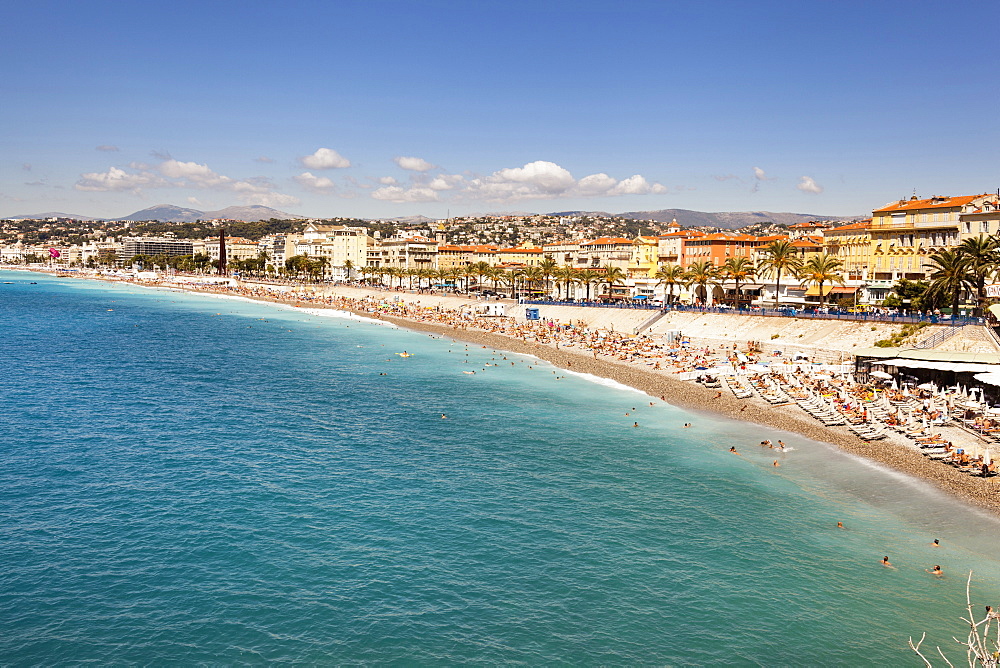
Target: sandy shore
point(982, 492)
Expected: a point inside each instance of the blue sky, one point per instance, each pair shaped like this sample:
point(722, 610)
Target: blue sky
point(380, 108)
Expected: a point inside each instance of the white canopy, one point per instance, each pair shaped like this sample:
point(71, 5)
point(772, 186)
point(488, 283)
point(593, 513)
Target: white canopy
point(967, 367)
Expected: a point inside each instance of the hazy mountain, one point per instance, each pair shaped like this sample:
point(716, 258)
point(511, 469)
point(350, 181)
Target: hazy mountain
point(730, 220)
point(168, 213)
point(250, 213)
point(50, 214)
point(410, 220)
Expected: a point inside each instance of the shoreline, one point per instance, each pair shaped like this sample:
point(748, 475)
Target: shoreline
point(983, 493)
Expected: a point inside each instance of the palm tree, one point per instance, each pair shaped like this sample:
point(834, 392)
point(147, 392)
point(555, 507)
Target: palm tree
point(479, 270)
point(781, 257)
point(424, 274)
point(531, 276)
point(982, 257)
point(949, 277)
point(348, 266)
point(548, 267)
point(702, 273)
point(820, 269)
point(564, 276)
point(588, 277)
point(739, 270)
point(611, 276)
point(671, 274)
point(504, 277)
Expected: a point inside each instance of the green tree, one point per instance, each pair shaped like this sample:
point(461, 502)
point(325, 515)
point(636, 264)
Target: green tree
point(671, 275)
point(821, 269)
point(701, 274)
point(589, 277)
point(739, 270)
point(611, 276)
point(780, 257)
point(981, 256)
point(565, 276)
point(548, 268)
point(908, 294)
point(949, 279)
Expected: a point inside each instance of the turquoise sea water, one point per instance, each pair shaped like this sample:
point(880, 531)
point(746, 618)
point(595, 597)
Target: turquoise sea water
point(189, 479)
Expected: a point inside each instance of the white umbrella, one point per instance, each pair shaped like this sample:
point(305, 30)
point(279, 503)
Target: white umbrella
point(926, 386)
point(987, 457)
point(893, 384)
point(880, 374)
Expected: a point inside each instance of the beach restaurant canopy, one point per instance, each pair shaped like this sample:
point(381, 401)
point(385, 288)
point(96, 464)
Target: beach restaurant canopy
point(915, 358)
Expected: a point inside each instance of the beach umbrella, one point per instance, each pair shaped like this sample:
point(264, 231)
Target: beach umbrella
point(880, 374)
point(926, 386)
point(893, 384)
point(987, 457)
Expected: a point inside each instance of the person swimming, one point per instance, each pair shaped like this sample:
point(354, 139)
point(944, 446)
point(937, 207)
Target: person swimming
point(840, 525)
point(936, 570)
point(885, 561)
point(733, 450)
point(936, 543)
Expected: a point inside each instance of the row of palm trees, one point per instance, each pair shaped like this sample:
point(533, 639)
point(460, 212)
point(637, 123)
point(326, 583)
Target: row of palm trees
point(963, 269)
point(540, 278)
point(781, 259)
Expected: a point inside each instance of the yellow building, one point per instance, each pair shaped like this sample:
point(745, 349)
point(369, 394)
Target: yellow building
point(852, 245)
point(905, 233)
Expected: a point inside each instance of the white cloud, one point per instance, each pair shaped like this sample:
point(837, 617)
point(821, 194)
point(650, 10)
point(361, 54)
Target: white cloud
point(325, 158)
point(398, 194)
point(194, 200)
point(199, 175)
point(107, 148)
point(387, 181)
point(177, 174)
point(759, 174)
point(309, 181)
point(596, 184)
point(635, 185)
point(541, 174)
point(535, 180)
point(808, 185)
point(116, 179)
point(446, 182)
point(264, 159)
point(413, 164)
point(726, 177)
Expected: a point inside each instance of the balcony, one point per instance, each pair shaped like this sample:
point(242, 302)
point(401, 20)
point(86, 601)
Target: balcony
point(903, 225)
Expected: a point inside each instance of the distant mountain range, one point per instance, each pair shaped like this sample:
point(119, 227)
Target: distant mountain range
point(730, 220)
point(168, 213)
point(727, 220)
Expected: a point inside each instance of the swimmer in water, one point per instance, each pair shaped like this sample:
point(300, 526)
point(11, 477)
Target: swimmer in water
point(687, 424)
point(635, 424)
point(775, 464)
point(733, 450)
point(840, 525)
point(935, 571)
point(443, 416)
point(936, 543)
point(885, 561)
